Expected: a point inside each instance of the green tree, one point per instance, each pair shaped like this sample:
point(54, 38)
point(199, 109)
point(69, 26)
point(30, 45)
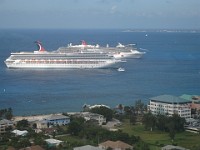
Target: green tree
point(141, 145)
point(171, 128)
point(40, 141)
point(133, 119)
point(106, 112)
point(24, 142)
point(161, 121)
point(120, 107)
point(139, 106)
point(149, 121)
point(23, 124)
point(129, 110)
point(178, 122)
point(6, 113)
point(19, 142)
point(74, 127)
point(9, 114)
point(81, 120)
point(175, 124)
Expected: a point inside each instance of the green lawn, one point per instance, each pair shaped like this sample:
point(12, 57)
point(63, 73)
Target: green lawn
point(157, 138)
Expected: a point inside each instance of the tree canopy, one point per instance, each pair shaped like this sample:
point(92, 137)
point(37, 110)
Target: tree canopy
point(171, 124)
point(22, 124)
point(106, 112)
point(6, 113)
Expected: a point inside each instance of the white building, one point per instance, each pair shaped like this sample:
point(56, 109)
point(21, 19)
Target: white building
point(169, 105)
point(57, 119)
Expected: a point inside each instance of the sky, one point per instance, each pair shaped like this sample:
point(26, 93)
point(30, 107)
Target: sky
point(100, 14)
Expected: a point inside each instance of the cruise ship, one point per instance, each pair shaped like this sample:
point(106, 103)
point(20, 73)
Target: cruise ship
point(119, 52)
point(78, 57)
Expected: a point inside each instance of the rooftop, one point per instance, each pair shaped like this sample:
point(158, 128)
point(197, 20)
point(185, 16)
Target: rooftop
point(53, 141)
point(5, 121)
point(56, 117)
point(169, 99)
point(18, 132)
point(36, 147)
point(190, 97)
point(172, 147)
point(87, 147)
point(115, 145)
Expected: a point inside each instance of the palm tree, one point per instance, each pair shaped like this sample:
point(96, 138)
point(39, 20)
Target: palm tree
point(120, 107)
point(139, 106)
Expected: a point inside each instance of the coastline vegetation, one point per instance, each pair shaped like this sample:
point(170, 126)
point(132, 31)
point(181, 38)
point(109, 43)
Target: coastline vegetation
point(138, 128)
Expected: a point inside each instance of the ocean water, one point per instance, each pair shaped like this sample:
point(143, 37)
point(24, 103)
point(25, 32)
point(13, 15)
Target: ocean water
point(171, 65)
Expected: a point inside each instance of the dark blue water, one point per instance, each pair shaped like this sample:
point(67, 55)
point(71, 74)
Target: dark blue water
point(171, 65)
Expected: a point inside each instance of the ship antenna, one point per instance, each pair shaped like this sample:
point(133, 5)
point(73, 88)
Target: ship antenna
point(41, 48)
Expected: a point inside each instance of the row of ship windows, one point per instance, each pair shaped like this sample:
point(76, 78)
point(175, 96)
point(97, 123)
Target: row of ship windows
point(67, 57)
point(62, 62)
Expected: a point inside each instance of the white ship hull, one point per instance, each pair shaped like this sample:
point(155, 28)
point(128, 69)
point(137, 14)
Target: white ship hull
point(128, 55)
point(106, 64)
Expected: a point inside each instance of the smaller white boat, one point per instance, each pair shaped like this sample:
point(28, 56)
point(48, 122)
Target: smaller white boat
point(120, 69)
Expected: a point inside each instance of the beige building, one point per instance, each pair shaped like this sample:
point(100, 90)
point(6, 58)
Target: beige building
point(100, 119)
point(88, 116)
point(42, 124)
point(5, 124)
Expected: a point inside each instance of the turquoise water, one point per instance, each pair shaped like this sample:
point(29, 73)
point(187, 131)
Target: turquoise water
point(171, 65)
